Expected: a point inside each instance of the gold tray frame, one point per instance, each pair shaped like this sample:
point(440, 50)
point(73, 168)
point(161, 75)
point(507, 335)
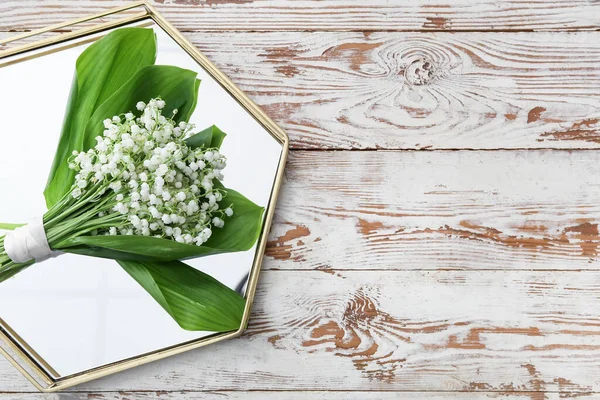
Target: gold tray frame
point(32, 370)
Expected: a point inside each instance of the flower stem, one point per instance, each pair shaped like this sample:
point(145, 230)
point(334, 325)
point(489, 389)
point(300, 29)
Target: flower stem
point(67, 219)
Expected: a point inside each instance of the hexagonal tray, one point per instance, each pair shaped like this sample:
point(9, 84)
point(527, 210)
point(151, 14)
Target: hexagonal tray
point(72, 319)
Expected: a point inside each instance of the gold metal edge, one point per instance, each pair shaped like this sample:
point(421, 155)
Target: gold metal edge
point(255, 111)
point(17, 349)
point(72, 22)
point(71, 35)
point(253, 281)
point(27, 348)
point(65, 47)
point(23, 371)
point(119, 366)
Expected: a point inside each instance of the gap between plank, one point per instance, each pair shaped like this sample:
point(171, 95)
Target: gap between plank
point(371, 149)
point(308, 391)
point(427, 270)
point(338, 30)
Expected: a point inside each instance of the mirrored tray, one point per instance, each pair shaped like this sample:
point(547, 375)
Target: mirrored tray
point(73, 318)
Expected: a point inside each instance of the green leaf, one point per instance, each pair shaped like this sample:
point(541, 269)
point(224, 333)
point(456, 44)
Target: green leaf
point(195, 300)
point(10, 227)
point(240, 233)
point(101, 69)
point(178, 87)
point(100, 252)
point(210, 137)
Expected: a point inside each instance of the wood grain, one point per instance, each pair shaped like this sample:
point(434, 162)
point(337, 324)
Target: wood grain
point(419, 90)
point(395, 15)
point(396, 330)
point(512, 210)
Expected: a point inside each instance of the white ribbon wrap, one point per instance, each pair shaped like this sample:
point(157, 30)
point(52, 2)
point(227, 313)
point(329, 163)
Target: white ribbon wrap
point(28, 243)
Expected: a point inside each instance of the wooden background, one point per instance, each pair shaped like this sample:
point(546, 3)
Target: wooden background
point(437, 234)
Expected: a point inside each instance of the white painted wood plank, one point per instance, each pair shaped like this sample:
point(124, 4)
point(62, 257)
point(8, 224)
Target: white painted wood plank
point(513, 210)
point(419, 90)
point(327, 15)
point(351, 328)
point(395, 330)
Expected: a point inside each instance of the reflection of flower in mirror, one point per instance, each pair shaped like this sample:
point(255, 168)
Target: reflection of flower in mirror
point(144, 179)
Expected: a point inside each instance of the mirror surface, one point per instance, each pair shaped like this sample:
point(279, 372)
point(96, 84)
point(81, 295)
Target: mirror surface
point(76, 312)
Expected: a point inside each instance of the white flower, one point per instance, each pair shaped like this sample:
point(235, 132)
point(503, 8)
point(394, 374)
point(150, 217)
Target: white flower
point(101, 146)
point(154, 212)
point(135, 221)
point(161, 187)
point(207, 185)
point(211, 199)
point(204, 235)
point(162, 170)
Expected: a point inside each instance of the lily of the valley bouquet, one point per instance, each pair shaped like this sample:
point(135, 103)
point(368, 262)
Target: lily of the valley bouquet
point(133, 181)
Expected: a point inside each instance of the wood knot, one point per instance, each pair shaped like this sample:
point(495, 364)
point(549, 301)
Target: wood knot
point(420, 72)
